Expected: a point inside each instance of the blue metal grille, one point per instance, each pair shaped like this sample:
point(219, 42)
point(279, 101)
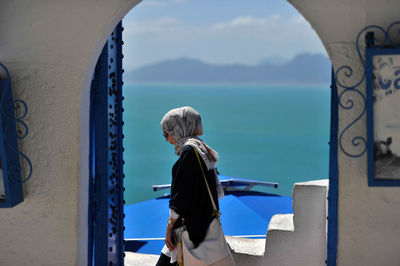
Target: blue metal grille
point(106, 162)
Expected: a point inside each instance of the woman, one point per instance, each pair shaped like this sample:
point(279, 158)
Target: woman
point(190, 199)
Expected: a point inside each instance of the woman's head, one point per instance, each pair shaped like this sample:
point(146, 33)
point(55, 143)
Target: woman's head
point(181, 123)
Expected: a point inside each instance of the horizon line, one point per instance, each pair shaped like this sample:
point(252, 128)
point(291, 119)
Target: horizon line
point(284, 61)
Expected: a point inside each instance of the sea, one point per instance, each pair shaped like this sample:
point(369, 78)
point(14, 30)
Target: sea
point(273, 133)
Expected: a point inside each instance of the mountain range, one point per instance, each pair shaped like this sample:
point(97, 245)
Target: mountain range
point(303, 68)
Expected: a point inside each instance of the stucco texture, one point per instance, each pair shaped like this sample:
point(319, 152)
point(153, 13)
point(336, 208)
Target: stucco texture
point(50, 49)
point(368, 231)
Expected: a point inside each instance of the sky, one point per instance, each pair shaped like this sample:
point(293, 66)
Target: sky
point(216, 31)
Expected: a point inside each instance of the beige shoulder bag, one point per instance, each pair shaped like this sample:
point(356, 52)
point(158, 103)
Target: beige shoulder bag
point(213, 250)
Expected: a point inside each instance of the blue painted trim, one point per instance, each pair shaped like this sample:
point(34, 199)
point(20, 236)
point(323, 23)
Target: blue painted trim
point(106, 163)
point(333, 178)
point(91, 213)
point(116, 240)
point(119, 100)
point(370, 53)
point(99, 162)
point(9, 136)
point(12, 186)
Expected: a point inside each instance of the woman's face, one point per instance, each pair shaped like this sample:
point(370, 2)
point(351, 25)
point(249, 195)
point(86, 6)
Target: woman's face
point(169, 138)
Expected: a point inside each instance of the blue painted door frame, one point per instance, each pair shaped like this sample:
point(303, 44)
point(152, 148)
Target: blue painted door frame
point(333, 178)
point(106, 226)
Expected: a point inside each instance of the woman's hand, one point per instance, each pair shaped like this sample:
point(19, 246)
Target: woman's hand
point(169, 236)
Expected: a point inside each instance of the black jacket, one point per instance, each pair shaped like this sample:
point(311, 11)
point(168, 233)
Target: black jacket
point(189, 195)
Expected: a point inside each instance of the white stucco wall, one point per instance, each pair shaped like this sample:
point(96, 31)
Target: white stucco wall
point(368, 217)
point(292, 239)
point(50, 49)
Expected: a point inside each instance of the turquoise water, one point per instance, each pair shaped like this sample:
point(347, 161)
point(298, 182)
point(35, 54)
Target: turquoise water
point(270, 133)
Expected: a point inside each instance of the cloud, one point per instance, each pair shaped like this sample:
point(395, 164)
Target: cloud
point(246, 21)
point(161, 3)
point(273, 27)
point(153, 26)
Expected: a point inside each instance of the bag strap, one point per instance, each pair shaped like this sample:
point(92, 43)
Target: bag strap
point(216, 211)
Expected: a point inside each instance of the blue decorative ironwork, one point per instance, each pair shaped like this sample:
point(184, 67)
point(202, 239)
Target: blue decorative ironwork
point(9, 136)
point(360, 142)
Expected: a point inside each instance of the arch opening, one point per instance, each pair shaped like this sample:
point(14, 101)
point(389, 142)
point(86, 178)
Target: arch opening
point(300, 145)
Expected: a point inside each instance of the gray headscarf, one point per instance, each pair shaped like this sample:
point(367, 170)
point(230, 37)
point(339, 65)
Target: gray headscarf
point(184, 125)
